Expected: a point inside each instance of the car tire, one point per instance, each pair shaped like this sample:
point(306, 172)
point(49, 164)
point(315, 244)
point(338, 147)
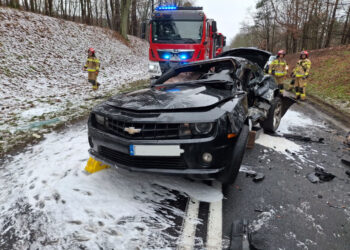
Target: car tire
point(273, 120)
point(229, 174)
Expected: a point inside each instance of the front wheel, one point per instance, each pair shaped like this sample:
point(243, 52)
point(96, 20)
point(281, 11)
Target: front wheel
point(273, 120)
point(229, 174)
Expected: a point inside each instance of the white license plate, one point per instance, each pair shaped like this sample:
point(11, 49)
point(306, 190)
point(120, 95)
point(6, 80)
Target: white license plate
point(155, 150)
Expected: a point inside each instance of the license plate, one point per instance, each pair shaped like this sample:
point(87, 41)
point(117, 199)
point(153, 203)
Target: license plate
point(155, 150)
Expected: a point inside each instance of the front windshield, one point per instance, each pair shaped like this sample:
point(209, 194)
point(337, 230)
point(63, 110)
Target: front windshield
point(166, 31)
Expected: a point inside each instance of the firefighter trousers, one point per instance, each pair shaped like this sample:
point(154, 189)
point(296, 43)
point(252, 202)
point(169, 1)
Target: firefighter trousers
point(279, 81)
point(300, 88)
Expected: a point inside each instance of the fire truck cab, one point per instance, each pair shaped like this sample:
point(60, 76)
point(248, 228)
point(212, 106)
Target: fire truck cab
point(179, 35)
point(220, 43)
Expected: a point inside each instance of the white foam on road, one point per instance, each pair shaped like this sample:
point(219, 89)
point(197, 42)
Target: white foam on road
point(278, 144)
point(48, 199)
point(293, 119)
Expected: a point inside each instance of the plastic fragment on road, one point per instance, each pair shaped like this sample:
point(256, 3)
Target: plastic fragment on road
point(313, 178)
point(94, 166)
point(259, 177)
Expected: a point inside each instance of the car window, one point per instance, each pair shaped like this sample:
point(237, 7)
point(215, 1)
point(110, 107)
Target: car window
point(184, 77)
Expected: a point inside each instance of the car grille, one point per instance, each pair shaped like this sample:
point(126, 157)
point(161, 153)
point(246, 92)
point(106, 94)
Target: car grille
point(142, 161)
point(148, 131)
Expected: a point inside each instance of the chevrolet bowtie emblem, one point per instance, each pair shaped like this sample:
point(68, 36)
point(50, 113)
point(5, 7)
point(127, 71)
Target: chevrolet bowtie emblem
point(132, 130)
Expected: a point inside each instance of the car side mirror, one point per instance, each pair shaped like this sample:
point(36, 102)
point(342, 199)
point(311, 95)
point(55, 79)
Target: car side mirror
point(143, 30)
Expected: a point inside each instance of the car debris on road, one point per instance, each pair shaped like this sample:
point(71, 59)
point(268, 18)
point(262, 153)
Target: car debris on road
point(320, 176)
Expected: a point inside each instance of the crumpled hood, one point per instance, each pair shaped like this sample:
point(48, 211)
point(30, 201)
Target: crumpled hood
point(170, 97)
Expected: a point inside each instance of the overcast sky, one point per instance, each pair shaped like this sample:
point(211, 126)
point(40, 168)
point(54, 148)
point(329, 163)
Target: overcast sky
point(229, 14)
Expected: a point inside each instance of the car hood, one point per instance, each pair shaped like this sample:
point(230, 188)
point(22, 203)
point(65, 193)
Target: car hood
point(260, 57)
point(171, 98)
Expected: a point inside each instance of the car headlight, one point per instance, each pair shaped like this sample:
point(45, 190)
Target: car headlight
point(203, 128)
point(100, 119)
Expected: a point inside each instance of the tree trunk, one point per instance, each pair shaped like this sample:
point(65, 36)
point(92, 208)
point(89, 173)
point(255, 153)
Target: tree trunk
point(330, 29)
point(343, 38)
point(134, 23)
point(117, 16)
point(26, 5)
point(125, 10)
point(107, 14)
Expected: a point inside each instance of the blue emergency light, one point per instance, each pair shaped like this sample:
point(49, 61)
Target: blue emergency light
point(169, 7)
point(166, 56)
point(183, 56)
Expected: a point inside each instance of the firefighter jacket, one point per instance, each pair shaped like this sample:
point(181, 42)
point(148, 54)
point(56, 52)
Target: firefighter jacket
point(279, 67)
point(302, 69)
point(92, 65)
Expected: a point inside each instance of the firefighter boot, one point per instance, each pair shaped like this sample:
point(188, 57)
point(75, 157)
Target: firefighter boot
point(303, 94)
point(291, 85)
point(95, 86)
point(281, 87)
point(297, 93)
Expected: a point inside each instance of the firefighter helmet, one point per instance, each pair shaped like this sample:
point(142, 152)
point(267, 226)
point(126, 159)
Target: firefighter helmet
point(304, 53)
point(92, 50)
point(281, 52)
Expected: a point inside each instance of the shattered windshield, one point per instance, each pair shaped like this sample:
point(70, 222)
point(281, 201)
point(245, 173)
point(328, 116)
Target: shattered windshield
point(166, 31)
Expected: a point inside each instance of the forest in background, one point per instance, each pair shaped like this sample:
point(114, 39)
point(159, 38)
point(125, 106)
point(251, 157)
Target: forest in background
point(296, 25)
point(123, 16)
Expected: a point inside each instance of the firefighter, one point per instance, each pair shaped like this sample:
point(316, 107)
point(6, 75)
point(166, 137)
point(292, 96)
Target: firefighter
point(92, 66)
point(278, 68)
point(300, 74)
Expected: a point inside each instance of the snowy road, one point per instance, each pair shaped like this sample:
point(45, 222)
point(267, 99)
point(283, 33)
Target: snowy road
point(49, 202)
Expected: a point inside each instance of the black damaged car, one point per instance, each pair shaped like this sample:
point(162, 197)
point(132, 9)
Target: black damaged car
point(194, 120)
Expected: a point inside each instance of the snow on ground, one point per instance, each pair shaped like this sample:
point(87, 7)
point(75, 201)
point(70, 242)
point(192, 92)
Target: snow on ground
point(41, 60)
point(49, 202)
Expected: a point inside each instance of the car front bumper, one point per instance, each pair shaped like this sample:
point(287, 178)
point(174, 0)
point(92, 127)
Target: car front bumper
point(115, 151)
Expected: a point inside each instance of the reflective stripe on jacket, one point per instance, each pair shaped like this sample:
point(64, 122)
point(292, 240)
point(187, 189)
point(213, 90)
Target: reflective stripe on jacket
point(302, 68)
point(92, 65)
point(280, 67)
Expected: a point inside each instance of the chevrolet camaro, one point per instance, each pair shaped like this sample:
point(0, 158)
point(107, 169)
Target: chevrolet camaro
point(194, 120)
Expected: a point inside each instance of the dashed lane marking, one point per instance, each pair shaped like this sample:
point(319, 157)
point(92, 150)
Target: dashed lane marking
point(189, 227)
point(214, 234)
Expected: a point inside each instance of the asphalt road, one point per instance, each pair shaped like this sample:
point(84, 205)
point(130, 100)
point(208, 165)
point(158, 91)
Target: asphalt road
point(47, 201)
point(286, 210)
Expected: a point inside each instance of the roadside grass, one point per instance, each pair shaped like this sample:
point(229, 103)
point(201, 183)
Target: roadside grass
point(11, 141)
point(329, 76)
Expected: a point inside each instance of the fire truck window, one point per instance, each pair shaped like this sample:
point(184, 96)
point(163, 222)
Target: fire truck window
point(177, 31)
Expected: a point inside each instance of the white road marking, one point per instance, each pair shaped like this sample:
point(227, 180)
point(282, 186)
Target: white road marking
point(189, 226)
point(214, 234)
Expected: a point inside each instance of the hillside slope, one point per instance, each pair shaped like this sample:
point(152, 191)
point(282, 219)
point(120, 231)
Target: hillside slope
point(330, 76)
point(42, 82)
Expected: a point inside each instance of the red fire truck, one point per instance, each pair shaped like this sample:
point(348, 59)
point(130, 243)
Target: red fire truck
point(220, 43)
point(179, 35)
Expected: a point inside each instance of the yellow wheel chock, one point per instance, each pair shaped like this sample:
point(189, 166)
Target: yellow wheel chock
point(94, 166)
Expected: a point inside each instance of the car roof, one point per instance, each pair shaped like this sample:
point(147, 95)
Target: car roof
point(252, 54)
